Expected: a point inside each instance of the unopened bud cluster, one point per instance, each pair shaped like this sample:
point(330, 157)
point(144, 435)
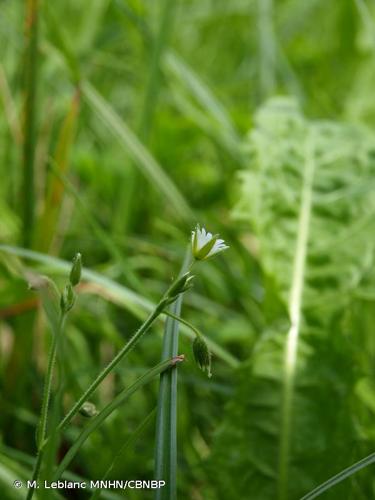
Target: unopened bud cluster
point(202, 354)
point(184, 283)
point(68, 296)
point(88, 410)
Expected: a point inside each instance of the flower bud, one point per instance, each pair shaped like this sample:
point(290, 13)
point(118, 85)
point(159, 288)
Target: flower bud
point(183, 284)
point(88, 410)
point(75, 273)
point(202, 354)
point(67, 299)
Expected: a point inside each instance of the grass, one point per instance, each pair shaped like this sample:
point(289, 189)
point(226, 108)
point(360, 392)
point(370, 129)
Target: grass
point(121, 131)
point(29, 127)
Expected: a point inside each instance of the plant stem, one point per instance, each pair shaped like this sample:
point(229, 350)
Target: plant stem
point(42, 426)
point(29, 119)
point(166, 423)
point(183, 321)
point(131, 439)
point(115, 361)
point(96, 421)
point(166, 420)
point(102, 375)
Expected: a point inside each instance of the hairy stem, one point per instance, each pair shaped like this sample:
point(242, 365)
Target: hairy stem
point(42, 426)
point(96, 421)
point(102, 375)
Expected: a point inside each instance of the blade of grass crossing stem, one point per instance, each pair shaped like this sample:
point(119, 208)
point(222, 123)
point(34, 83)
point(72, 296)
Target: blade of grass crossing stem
point(138, 152)
point(116, 293)
point(341, 476)
point(29, 135)
point(96, 421)
point(129, 442)
point(85, 396)
point(166, 424)
point(166, 419)
point(12, 456)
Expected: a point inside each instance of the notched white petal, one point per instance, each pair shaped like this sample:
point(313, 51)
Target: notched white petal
point(205, 244)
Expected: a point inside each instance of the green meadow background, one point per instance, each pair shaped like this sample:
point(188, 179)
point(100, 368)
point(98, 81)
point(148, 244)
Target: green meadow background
point(123, 124)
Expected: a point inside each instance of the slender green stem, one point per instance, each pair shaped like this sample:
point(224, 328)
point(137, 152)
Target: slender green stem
point(36, 472)
point(102, 375)
point(183, 321)
point(118, 294)
point(166, 422)
point(28, 156)
point(42, 426)
point(115, 361)
point(96, 421)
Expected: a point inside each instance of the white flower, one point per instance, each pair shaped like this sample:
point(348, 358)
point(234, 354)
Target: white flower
point(205, 245)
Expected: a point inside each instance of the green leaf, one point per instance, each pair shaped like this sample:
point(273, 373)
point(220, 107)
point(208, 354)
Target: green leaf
point(293, 398)
point(50, 296)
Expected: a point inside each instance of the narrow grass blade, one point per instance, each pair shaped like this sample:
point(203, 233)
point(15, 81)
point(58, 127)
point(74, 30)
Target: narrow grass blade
point(126, 207)
point(211, 116)
point(165, 468)
point(49, 219)
point(118, 294)
point(19, 457)
point(10, 109)
point(60, 42)
point(49, 295)
point(140, 155)
point(166, 424)
point(29, 139)
point(129, 442)
point(96, 421)
point(200, 91)
point(8, 476)
point(108, 242)
point(159, 45)
point(341, 476)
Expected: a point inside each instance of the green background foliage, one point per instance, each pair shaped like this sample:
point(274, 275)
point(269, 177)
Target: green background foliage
point(254, 118)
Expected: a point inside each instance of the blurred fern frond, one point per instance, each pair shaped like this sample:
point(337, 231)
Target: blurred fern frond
point(315, 247)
